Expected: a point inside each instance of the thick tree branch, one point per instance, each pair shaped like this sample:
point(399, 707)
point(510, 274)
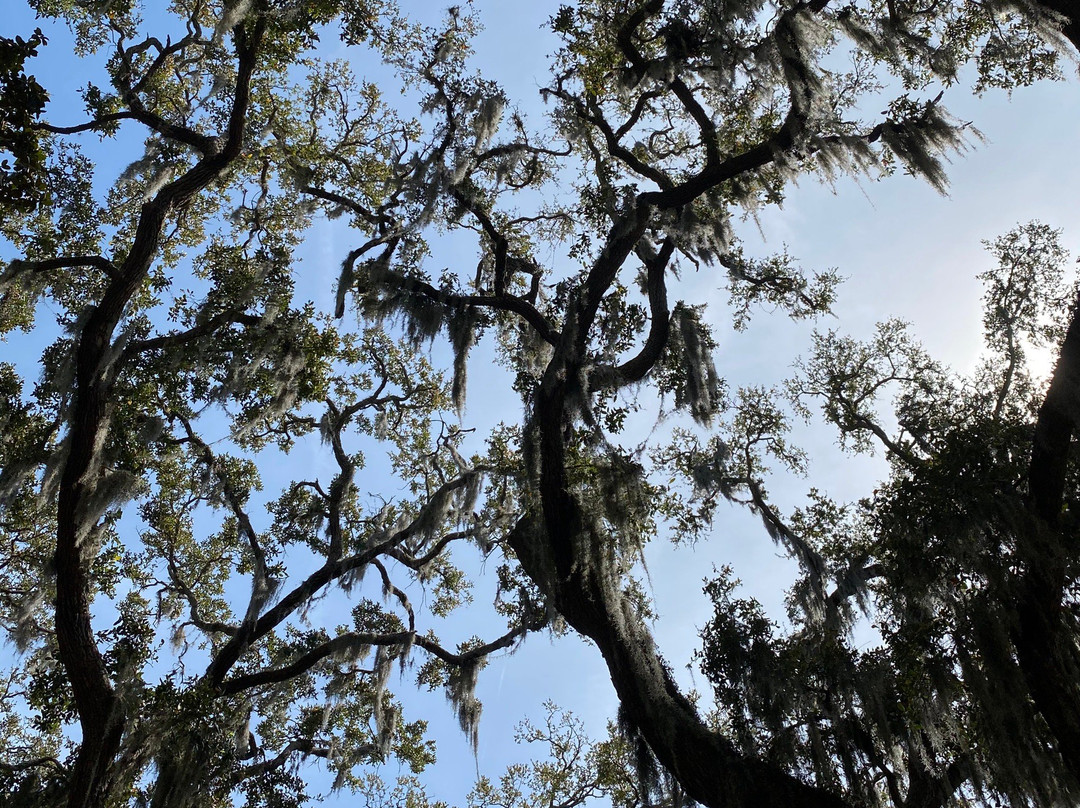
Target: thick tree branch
point(418, 563)
point(499, 242)
point(36, 763)
point(510, 303)
point(201, 143)
point(302, 746)
point(1069, 15)
point(369, 216)
point(89, 126)
point(636, 368)
point(167, 342)
point(345, 643)
point(68, 262)
point(705, 763)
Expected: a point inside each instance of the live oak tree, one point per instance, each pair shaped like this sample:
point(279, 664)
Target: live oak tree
point(173, 648)
point(969, 546)
point(179, 361)
point(961, 557)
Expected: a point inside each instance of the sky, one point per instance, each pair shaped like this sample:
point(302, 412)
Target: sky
point(905, 251)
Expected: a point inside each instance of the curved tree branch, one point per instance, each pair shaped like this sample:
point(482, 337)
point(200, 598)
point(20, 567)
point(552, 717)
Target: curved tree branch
point(345, 643)
point(636, 368)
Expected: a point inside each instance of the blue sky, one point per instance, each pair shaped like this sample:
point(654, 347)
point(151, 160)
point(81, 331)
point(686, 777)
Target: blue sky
point(905, 250)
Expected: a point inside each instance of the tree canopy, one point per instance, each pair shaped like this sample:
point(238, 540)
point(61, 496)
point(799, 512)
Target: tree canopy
point(187, 637)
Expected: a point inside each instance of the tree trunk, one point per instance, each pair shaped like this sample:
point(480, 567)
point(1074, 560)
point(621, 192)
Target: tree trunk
point(1045, 643)
point(100, 715)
